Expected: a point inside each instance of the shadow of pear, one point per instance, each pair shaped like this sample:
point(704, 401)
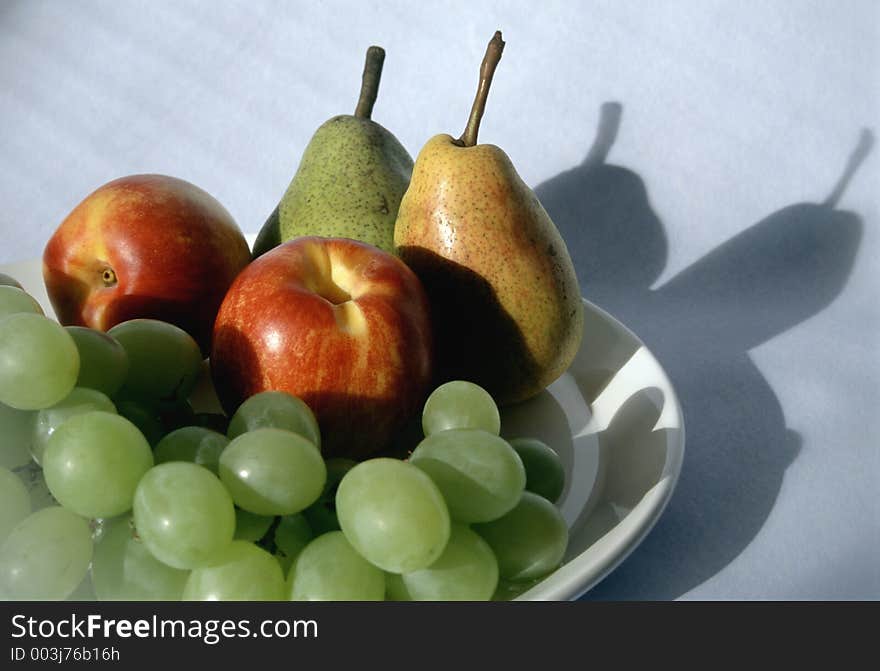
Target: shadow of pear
point(605, 218)
point(471, 326)
point(771, 277)
point(701, 324)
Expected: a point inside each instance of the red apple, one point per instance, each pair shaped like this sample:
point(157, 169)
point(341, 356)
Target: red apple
point(340, 324)
point(144, 246)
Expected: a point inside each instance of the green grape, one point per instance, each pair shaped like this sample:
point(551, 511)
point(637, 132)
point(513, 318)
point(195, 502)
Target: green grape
point(16, 429)
point(144, 417)
point(84, 591)
point(15, 502)
point(272, 472)
point(329, 569)
point(481, 475)
point(80, 400)
point(509, 590)
point(460, 405)
point(545, 474)
point(250, 527)
point(13, 300)
point(292, 534)
point(393, 514)
point(6, 280)
point(103, 361)
point(395, 589)
point(164, 360)
point(93, 463)
point(321, 515)
point(242, 572)
point(192, 443)
point(45, 557)
point(183, 514)
point(529, 541)
point(466, 571)
point(39, 362)
point(124, 570)
point(275, 410)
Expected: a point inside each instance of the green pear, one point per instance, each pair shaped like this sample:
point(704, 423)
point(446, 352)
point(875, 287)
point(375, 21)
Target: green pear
point(504, 296)
point(350, 180)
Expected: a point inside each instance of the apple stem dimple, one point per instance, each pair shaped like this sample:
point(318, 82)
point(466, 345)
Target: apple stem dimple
point(370, 82)
point(487, 71)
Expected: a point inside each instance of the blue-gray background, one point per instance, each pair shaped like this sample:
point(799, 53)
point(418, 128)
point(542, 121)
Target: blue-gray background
point(706, 229)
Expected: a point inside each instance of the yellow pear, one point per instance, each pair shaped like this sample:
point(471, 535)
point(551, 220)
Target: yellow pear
point(505, 299)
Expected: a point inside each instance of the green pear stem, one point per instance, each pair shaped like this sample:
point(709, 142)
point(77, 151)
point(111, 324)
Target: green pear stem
point(487, 71)
point(370, 82)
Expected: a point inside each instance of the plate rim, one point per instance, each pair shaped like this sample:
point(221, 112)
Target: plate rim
point(573, 587)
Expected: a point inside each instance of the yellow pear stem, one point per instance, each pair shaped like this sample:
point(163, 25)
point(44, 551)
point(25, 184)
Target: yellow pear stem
point(487, 71)
point(606, 133)
point(370, 82)
point(859, 154)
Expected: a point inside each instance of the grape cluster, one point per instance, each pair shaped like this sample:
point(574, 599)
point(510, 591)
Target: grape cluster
point(154, 501)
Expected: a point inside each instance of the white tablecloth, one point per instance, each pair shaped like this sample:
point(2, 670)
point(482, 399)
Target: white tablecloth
point(704, 229)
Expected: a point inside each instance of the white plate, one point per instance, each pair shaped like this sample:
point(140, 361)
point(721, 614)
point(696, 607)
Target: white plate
point(616, 422)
